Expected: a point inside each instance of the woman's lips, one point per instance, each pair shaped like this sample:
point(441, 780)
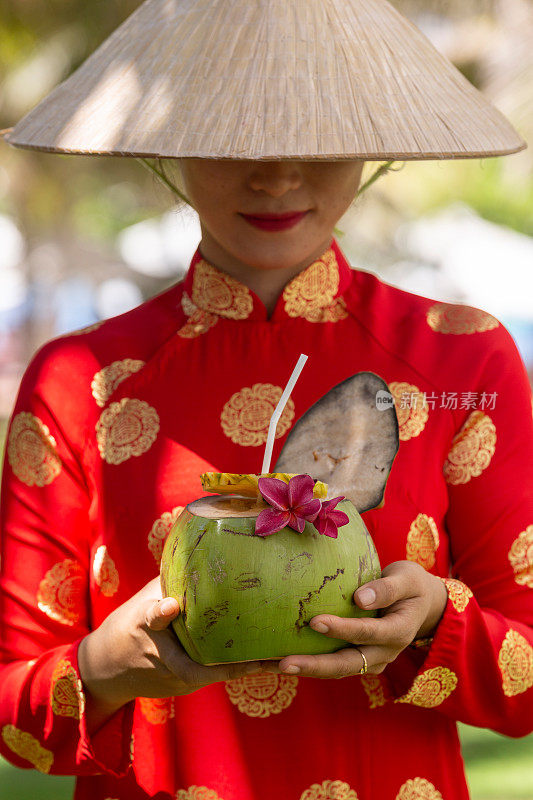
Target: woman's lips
point(272, 222)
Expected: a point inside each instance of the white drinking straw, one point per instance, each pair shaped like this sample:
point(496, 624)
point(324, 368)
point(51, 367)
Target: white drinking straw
point(278, 411)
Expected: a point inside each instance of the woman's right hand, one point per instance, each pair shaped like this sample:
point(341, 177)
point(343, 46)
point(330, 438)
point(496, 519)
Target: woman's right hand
point(135, 653)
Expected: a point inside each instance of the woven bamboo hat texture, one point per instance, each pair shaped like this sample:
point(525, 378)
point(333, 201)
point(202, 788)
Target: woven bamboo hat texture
point(267, 79)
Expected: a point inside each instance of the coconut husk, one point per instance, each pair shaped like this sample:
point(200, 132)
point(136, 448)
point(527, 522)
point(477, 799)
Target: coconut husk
point(346, 440)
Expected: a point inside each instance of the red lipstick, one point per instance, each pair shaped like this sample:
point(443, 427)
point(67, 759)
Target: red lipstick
point(275, 222)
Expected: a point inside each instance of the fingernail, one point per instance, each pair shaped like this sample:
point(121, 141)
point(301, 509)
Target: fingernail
point(167, 606)
point(292, 670)
point(366, 596)
point(319, 626)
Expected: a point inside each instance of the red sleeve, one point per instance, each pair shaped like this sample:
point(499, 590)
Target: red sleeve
point(44, 585)
point(479, 667)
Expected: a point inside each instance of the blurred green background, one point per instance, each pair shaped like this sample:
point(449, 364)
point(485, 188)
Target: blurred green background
point(69, 224)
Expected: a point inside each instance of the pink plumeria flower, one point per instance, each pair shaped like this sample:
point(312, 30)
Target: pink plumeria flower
point(292, 504)
point(329, 520)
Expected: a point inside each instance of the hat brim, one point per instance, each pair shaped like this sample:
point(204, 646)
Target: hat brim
point(228, 79)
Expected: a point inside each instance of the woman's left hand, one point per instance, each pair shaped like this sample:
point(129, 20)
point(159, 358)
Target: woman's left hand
point(412, 602)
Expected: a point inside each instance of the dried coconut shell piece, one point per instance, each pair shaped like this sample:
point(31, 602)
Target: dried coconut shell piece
point(347, 439)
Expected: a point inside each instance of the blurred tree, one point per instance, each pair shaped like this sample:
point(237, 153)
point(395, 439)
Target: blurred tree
point(452, 8)
point(42, 43)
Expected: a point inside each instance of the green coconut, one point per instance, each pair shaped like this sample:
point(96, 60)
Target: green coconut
point(245, 597)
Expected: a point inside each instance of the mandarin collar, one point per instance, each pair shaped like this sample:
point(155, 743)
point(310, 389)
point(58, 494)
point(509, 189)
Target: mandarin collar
point(315, 294)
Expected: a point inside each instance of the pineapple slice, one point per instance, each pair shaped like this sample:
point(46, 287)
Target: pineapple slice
point(246, 484)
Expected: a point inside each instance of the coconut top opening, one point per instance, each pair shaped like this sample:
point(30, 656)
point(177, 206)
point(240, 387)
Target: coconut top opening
point(228, 505)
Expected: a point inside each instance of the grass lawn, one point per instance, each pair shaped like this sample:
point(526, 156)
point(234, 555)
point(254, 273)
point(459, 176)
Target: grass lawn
point(498, 768)
point(28, 784)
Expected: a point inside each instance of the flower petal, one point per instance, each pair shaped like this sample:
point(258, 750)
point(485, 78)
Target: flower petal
point(270, 521)
point(326, 527)
point(330, 504)
point(320, 524)
point(308, 510)
point(339, 518)
point(300, 490)
point(331, 529)
point(296, 523)
point(275, 492)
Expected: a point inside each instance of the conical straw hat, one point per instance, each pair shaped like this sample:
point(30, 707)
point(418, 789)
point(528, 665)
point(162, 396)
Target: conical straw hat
point(267, 79)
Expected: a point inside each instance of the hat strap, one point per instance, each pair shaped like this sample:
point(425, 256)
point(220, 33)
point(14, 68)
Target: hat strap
point(163, 178)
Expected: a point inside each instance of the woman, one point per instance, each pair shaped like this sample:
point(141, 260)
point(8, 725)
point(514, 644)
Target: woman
point(111, 429)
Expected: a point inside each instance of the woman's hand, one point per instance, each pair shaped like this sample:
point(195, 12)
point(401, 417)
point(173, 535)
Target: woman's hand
point(134, 653)
point(413, 602)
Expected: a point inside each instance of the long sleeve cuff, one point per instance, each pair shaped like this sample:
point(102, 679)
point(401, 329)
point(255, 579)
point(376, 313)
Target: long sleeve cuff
point(109, 749)
point(43, 720)
point(478, 669)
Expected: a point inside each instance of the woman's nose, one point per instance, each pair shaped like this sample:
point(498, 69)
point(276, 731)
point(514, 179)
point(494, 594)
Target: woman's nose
point(275, 177)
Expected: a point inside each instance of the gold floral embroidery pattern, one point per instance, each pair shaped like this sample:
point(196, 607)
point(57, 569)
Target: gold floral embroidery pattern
point(88, 329)
point(423, 541)
point(418, 789)
point(60, 593)
point(411, 409)
point(187, 305)
point(521, 557)
point(262, 695)
point(459, 319)
point(32, 450)
point(311, 294)
point(472, 449)
point(246, 416)
point(198, 321)
point(430, 688)
point(157, 710)
point(24, 745)
point(104, 572)
point(160, 531)
point(127, 428)
point(107, 379)
point(197, 793)
point(218, 293)
point(458, 592)
point(375, 690)
point(329, 790)
point(515, 661)
point(335, 312)
point(66, 691)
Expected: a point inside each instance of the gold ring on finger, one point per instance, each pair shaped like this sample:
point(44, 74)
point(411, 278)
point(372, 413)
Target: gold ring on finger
point(364, 668)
